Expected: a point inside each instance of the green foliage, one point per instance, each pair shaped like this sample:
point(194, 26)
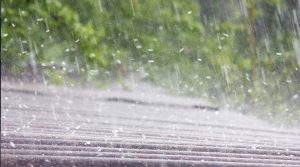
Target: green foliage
point(232, 52)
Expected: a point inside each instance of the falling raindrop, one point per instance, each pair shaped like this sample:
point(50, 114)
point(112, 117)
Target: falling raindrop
point(118, 61)
point(295, 96)
point(138, 46)
point(12, 144)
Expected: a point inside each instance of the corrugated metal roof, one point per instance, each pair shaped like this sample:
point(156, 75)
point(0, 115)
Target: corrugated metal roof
point(62, 128)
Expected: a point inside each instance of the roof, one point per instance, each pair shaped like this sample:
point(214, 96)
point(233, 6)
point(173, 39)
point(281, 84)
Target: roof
point(52, 126)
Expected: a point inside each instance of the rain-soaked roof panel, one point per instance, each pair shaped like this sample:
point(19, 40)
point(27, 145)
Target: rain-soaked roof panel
point(40, 127)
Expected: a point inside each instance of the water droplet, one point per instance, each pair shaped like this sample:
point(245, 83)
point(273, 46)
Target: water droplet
point(118, 61)
point(295, 96)
point(92, 55)
point(12, 144)
point(226, 35)
point(115, 133)
point(39, 19)
point(99, 149)
point(3, 133)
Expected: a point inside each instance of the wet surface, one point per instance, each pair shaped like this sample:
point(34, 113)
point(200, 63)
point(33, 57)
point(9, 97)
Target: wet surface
point(65, 127)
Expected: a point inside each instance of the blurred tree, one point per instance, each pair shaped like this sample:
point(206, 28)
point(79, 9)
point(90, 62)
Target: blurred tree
point(233, 52)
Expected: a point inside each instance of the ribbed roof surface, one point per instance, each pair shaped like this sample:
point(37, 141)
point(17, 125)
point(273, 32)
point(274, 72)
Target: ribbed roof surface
point(42, 127)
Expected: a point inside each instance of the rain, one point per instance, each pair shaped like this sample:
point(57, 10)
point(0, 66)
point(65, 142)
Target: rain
point(150, 83)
